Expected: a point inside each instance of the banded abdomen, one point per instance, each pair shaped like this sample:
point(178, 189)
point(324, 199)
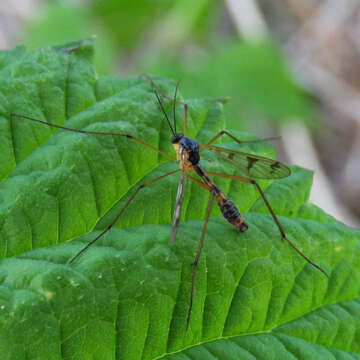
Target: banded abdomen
point(227, 207)
point(231, 213)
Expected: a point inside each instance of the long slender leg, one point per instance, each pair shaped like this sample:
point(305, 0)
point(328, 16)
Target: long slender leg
point(95, 133)
point(197, 257)
point(282, 232)
point(205, 186)
point(224, 132)
point(198, 253)
point(178, 204)
point(147, 183)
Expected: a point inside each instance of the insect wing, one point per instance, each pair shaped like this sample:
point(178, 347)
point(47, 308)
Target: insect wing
point(178, 204)
point(252, 165)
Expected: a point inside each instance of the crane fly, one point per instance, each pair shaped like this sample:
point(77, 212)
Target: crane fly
point(187, 152)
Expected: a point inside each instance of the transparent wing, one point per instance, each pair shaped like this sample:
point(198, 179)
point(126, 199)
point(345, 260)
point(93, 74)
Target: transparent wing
point(252, 165)
point(178, 204)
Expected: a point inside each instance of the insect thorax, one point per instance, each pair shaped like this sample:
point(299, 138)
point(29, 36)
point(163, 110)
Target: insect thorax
point(191, 147)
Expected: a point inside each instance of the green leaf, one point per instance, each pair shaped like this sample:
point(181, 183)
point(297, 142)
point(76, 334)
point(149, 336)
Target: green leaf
point(60, 22)
point(127, 297)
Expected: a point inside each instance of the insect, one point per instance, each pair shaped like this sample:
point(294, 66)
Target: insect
point(187, 152)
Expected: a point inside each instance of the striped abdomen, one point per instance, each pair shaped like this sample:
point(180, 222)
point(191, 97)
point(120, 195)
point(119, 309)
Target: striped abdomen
point(231, 213)
point(227, 207)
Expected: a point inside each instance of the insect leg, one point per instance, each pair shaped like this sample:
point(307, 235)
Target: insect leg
point(177, 209)
point(205, 186)
point(147, 183)
point(198, 253)
point(224, 132)
point(282, 232)
point(14, 115)
point(197, 257)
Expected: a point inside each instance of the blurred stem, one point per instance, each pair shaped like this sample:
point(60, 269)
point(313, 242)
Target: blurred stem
point(172, 30)
point(248, 19)
point(180, 21)
point(300, 150)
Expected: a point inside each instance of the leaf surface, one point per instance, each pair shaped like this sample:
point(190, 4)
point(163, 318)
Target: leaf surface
point(127, 296)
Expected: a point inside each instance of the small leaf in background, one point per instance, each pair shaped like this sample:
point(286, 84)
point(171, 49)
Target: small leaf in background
point(127, 297)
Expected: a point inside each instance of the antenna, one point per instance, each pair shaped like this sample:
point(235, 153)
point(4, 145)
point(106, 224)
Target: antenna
point(163, 110)
point(176, 89)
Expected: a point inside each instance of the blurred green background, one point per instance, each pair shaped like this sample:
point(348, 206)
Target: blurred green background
point(289, 67)
point(189, 40)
